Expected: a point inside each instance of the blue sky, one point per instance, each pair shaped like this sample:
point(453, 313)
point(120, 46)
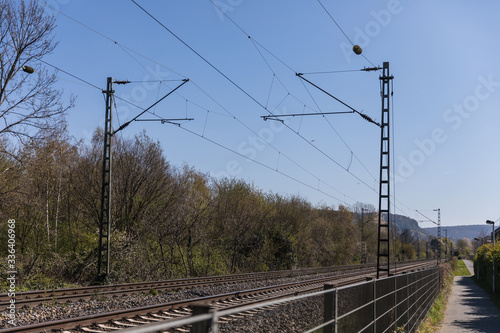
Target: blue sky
point(443, 55)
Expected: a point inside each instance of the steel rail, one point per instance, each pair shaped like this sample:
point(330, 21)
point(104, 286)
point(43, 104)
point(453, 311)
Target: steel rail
point(234, 299)
point(86, 293)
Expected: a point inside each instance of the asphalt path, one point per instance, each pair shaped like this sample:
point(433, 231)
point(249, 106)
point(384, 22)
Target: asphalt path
point(469, 308)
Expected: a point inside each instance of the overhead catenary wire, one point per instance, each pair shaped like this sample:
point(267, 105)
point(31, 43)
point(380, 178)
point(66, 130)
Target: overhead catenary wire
point(265, 166)
point(142, 55)
point(212, 141)
point(44, 3)
point(242, 90)
point(364, 116)
point(205, 138)
point(334, 21)
point(338, 134)
point(342, 30)
point(69, 74)
point(164, 66)
point(428, 219)
point(198, 54)
point(290, 68)
point(333, 72)
point(147, 109)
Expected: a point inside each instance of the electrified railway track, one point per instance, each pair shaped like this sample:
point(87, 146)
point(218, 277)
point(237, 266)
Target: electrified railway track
point(33, 298)
point(121, 319)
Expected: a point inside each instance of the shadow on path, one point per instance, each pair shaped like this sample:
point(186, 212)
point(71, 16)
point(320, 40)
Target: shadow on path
point(470, 309)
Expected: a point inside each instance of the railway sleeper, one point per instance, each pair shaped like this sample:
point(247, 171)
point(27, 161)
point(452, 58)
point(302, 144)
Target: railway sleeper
point(135, 321)
point(160, 317)
point(91, 330)
point(119, 323)
point(173, 314)
point(149, 318)
point(106, 327)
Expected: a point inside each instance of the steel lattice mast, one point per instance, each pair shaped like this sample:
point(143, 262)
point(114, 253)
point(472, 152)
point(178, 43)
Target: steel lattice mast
point(105, 216)
point(384, 216)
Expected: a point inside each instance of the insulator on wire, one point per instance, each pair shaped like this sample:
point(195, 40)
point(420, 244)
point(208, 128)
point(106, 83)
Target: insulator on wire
point(368, 118)
point(357, 49)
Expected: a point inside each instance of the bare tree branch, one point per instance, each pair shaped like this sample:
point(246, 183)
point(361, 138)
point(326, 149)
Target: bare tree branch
point(28, 103)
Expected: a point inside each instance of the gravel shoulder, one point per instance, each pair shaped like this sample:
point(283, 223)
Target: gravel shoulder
point(51, 312)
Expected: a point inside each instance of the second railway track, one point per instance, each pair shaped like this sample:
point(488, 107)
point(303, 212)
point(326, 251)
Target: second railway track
point(33, 298)
point(115, 320)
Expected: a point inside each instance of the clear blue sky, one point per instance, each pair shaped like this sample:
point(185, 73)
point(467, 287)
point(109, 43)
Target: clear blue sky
point(444, 56)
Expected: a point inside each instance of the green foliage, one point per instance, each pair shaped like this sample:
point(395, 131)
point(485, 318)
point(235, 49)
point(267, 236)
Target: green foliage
point(166, 222)
point(436, 313)
point(483, 265)
point(461, 269)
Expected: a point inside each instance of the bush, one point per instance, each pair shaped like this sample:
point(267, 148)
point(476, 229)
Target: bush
point(483, 264)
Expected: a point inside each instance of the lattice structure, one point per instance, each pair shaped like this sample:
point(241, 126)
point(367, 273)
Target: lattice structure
point(439, 236)
point(105, 216)
point(383, 249)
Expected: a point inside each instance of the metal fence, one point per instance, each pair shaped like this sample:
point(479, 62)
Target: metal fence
point(392, 304)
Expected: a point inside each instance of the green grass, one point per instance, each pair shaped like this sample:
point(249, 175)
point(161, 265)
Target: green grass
point(462, 270)
point(436, 313)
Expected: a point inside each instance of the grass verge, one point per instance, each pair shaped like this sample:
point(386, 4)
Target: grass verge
point(461, 270)
point(436, 313)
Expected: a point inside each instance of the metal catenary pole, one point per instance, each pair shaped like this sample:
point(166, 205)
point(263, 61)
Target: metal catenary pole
point(103, 264)
point(438, 236)
point(383, 248)
point(105, 215)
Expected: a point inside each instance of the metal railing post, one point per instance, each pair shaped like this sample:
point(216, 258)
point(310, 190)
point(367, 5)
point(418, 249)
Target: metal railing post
point(407, 299)
point(201, 326)
point(374, 306)
point(330, 308)
point(395, 303)
point(336, 309)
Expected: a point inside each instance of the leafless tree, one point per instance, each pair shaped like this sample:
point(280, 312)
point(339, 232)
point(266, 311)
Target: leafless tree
point(28, 103)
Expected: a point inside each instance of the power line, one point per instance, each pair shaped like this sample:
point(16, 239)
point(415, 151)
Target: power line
point(161, 81)
point(338, 134)
point(125, 48)
point(146, 110)
point(290, 68)
point(334, 72)
point(338, 26)
point(249, 37)
point(429, 220)
point(241, 89)
point(106, 37)
point(69, 74)
point(263, 165)
point(199, 55)
point(273, 147)
point(343, 32)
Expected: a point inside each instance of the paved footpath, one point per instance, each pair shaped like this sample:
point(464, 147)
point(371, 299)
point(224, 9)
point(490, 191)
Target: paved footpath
point(469, 308)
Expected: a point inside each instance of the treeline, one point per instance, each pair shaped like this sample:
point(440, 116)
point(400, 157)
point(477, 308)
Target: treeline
point(167, 221)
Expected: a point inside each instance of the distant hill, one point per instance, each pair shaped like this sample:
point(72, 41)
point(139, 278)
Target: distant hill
point(457, 232)
point(404, 222)
point(454, 233)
